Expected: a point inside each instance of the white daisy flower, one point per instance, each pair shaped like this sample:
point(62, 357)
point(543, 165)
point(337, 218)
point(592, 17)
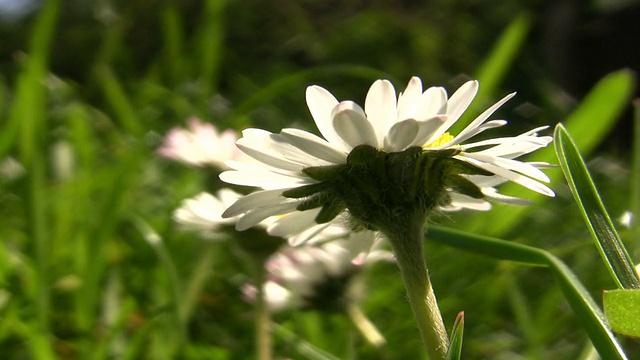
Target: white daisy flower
point(392, 160)
point(318, 276)
point(200, 144)
point(202, 214)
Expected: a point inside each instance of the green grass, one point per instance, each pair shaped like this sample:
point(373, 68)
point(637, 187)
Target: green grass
point(92, 267)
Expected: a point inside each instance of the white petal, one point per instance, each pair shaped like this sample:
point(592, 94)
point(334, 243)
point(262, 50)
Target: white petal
point(281, 145)
point(409, 99)
point(514, 165)
point(294, 223)
point(321, 102)
point(255, 143)
point(431, 103)
point(314, 145)
point(351, 124)
point(459, 101)
point(494, 196)
point(254, 217)
point(427, 129)
point(380, 106)
point(511, 176)
point(255, 200)
point(401, 135)
point(467, 202)
point(473, 126)
point(262, 179)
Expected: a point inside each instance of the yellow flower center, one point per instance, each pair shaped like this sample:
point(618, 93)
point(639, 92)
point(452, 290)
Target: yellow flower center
point(443, 139)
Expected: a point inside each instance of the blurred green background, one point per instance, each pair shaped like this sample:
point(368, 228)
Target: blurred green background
point(88, 89)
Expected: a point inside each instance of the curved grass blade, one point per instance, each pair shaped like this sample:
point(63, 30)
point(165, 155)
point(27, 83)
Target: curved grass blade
point(455, 348)
point(585, 308)
point(609, 244)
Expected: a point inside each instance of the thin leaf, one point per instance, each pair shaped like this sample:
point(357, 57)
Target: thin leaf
point(579, 299)
point(496, 65)
point(455, 347)
point(622, 308)
point(609, 244)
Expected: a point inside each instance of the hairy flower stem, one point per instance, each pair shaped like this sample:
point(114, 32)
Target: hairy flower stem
point(406, 239)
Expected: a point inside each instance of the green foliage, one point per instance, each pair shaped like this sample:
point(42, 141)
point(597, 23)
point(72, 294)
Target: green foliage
point(622, 308)
point(455, 348)
point(91, 264)
point(611, 247)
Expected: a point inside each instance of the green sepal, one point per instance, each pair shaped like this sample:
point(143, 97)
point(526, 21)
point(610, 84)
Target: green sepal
point(311, 203)
point(363, 155)
point(442, 154)
point(305, 190)
point(465, 186)
point(461, 167)
point(329, 211)
point(323, 173)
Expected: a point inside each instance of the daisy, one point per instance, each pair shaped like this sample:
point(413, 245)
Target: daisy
point(379, 166)
point(200, 144)
point(319, 276)
point(202, 213)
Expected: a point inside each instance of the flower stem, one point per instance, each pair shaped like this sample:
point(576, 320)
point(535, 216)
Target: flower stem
point(366, 328)
point(262, 320)
point(406, 240)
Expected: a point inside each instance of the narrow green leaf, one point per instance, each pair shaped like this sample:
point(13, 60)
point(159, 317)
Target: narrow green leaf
point(622, 308)
point(584, 191)
point(634, 187)
point(588, 123)
point(496, 65)
point(585, 308)
point(455, 347)
point(119, 101)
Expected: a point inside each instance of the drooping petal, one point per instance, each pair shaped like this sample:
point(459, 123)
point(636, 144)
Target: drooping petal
point(314, 145)
point(351, 124)
point(401, 135)
point(511, 176)
point(253, 217)
point(255, 200)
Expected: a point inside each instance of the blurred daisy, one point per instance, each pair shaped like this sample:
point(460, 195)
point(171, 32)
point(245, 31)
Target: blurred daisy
point(381, 165)
point(319, 277)
point(200, 144)
point(202, 214)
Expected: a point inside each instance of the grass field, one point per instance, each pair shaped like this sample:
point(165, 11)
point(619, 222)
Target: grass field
point(92, 266)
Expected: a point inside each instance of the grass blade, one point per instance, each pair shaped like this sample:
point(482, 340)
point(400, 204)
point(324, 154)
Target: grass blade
point(455, 348)
point(611, 247)
point(579, 299)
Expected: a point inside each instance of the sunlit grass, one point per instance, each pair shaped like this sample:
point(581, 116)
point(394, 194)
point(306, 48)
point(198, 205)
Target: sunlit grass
point(92, 267)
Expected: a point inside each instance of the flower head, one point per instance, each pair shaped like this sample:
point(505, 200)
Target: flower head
point(392, 160)
point(203, 213)
point(200, 144)
point(321, 276)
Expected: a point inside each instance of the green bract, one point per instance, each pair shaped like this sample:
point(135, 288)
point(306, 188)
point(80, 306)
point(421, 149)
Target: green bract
point(379, 187)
